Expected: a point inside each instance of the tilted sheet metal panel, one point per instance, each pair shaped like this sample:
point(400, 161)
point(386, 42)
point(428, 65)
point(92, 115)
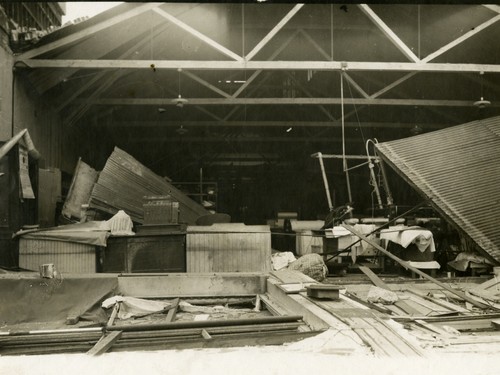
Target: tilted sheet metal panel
point(458, 169)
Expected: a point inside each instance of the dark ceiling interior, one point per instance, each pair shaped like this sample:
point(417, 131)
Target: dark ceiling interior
point(266, 85)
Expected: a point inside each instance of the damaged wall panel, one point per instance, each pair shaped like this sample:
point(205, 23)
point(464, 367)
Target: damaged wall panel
point(457, 169)
point(123, 184)
point(79, 190)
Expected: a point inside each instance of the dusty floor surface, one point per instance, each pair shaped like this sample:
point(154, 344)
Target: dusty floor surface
point(316, 355)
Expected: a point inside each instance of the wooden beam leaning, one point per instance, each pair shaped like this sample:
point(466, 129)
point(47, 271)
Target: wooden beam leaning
point(274, 31)
point(141, 8)
point(388, 32)
point(413, 269)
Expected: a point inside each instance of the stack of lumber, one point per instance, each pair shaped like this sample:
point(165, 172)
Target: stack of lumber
point(123, 184)
point(171, 335)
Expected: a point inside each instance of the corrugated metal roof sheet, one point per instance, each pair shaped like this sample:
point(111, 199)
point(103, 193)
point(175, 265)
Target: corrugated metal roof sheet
point(458, 169)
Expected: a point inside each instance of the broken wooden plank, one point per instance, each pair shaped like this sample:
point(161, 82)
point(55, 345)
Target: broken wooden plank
point(112, 318)
point(433, 328)
point(274, 307)
point(439, 301)
point(479, 322)
point(173, 310)
point(377, 281)
point(365, 323)
point(205, 334)
point(484, 294)
point(292, 277)
point(105, 343)
point(380, 283)
point(406, 265)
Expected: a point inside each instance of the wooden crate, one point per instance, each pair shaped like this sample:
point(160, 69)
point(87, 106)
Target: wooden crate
point(232, 247)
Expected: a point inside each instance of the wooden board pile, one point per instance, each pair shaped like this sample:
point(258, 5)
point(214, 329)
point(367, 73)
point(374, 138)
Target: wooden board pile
point(167, 333)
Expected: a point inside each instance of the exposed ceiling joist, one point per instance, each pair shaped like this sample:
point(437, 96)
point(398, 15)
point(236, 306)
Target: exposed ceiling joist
point(437, 53)
point(273, 32)
point(263, 65)
point(242, 139)
point(494, 8)
point(100, 75)
point(88, 31)
point(461, 39)
point(283, 101)
point(198, 35)
point(269, 124)
point(388, 32)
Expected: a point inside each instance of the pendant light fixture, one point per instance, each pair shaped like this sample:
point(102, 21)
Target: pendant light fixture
point(482, 103)
point(179, 101)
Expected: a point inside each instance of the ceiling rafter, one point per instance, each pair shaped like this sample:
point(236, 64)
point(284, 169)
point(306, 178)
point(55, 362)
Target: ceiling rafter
point(88, 31)
point(270, 124)
point(323, 109)
point(264, 65)
point(194, 77)
point(386, 30)
point(217, 46)
point(313, 42)
point(284, 101)
point(100, 75)
point(494, 8)
point(255, 74)
point(439, 52)
point(84, 104)
point(273, 32)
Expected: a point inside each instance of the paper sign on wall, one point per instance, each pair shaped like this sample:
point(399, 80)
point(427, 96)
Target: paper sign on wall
point(26, 190)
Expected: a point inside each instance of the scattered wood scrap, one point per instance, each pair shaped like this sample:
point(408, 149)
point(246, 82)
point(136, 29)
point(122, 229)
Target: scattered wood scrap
point(405, 264)
point(105, 343)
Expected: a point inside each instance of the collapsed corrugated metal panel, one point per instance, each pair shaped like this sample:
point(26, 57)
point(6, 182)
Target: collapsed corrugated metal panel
point(123, 184)
point(458, 170)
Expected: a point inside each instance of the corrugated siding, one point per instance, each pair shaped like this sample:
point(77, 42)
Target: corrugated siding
point(458, 169)
point(68, 257)
point(228, 248)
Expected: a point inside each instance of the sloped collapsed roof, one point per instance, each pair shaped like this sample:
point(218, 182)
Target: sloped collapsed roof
point(458, 170)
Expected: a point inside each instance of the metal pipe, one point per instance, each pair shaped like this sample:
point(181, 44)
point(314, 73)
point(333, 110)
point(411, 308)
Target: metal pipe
point(204, 324)
point(325, 180)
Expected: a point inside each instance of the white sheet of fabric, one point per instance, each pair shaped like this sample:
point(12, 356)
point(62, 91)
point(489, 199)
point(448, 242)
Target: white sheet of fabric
point(282, 260)
point(404, 236)
point(430, 265)
point(131, 306)
point(340, 232)
point(121, 224)
point(421, 237)
point(365, 229)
